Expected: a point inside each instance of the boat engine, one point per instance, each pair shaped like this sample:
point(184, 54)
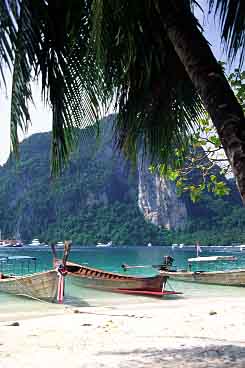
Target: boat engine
point(167, 263)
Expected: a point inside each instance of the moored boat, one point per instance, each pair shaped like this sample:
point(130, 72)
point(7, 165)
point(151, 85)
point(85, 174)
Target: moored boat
point(46, 285)
point(228, 277)
point(89, 277)
point(42, 285)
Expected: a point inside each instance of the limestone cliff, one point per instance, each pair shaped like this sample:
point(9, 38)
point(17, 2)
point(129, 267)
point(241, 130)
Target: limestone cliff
point(158, 201)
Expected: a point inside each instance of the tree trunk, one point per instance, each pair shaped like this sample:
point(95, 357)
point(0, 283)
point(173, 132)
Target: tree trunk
point(207, 76)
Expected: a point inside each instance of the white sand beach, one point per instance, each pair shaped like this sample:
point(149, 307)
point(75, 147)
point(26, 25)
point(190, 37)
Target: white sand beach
point(184, 332)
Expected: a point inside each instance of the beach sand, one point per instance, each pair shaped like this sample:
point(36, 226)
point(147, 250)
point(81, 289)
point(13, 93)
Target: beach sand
point(182, 332)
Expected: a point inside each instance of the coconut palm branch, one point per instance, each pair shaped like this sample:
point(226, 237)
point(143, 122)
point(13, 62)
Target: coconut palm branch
point(157, 103)
point(231, 15)
point(51, 43)
point(7, 37)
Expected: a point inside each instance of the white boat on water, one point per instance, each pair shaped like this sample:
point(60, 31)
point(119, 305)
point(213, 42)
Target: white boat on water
point(60, 244)
point(35, 242)
point(4, 243)
point(104, 245)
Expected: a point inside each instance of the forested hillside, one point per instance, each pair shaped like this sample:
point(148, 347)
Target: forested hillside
point(96, 200)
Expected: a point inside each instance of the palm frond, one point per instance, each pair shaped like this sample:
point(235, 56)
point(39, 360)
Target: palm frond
point(157, 102)
point(7, 36)
point(21, 88)
point(72, 78)
point(52, 42)
point(231, 14)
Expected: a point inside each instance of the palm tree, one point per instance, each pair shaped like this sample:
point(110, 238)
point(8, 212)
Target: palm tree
point(150, 54)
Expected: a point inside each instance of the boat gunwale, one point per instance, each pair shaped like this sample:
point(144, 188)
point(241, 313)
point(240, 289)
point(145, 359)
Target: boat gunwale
point(27, 276)
point(125, 277)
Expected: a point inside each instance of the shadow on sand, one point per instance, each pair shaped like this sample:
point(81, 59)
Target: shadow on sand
point(211, 356)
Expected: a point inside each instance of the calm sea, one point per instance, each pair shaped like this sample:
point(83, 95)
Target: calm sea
point(111, 259)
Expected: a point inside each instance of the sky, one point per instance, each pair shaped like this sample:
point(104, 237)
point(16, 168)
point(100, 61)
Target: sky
point(41, 117)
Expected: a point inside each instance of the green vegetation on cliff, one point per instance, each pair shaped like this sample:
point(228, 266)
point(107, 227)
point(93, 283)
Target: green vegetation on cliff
point(95, 200)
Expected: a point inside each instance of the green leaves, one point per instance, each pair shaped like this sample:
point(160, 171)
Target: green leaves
point(214, 139)
point(237, 81)
point(221, 189)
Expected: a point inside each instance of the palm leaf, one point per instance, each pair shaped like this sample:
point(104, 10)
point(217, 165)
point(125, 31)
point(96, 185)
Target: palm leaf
point(156, 100)
point(21, 89)
point(7, 36)
point(52, 43)
point(231, 14)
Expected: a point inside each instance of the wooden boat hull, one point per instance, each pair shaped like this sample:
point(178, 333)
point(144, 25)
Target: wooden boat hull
point(228, 278)
point(99, 279)
point(41, 285)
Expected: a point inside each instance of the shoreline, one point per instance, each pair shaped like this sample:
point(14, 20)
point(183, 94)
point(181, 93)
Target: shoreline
point(185, 332)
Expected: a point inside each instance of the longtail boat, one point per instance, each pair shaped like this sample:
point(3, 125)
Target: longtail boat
point(89, 277)
point(42, 285)
point(228, 277)
point(47, 285)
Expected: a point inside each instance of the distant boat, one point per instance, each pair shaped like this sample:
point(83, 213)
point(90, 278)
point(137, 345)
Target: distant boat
point(17, 244)
point(104, 245)
point(10, 243)
point(35, 242)
point(5, 243)
point(60, 244)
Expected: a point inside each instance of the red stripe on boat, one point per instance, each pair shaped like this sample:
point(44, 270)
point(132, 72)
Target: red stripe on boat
point(147, 292)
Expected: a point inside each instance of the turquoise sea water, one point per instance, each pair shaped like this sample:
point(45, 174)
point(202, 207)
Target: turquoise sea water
point(111, 259)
